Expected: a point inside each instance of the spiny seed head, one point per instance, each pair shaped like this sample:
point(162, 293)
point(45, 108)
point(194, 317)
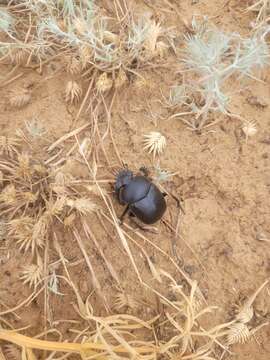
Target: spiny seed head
point(74, 66)
point(154, 142)
point(9, 195)
point(121, 79)
point(85, 53)
point(250, 128)
point(152, 34)
point(73, 92)
point(104, 83)
point(32, 273)
point(84, 206)
point(238, 333)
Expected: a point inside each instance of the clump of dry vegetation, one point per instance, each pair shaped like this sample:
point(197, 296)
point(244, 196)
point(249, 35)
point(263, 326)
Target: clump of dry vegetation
point(177, 333)
point(33, 197)
point(212, 57)
point(92, 42)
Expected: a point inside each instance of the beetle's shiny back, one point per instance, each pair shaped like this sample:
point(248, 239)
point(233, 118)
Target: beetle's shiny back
point(135, 190)
point(150, 208)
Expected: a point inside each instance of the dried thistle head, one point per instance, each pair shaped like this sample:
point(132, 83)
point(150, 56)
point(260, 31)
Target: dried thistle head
point(142, 84)
point(249, 129)
point(24, 169)
point(125, 301)
point(8, 195)
point(33, 273)
point(20, 100)
point(61, 183)
point(237, 333)
point(121, 79)
point(154, 142)
point(74, 66)
point(28, 197)
point(104, 83)
point(39, 233)
point(152, 34)
point(84, 206)
point(8, 146)
point(86, 54)
point(22, 231)
point(73, 92)
point(55, 208)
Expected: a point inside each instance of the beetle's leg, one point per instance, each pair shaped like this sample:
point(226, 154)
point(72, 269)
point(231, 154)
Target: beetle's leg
point(148, 228)
point(124, 213)
point(145, 171)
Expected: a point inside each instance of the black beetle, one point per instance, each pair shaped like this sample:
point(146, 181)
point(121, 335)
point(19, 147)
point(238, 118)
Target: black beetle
point(143, 199)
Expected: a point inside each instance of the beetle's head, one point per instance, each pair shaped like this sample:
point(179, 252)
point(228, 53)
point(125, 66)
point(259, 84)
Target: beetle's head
point(122, 178)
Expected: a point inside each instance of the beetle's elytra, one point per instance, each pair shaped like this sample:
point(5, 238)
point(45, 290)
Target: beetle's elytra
point(142, 198)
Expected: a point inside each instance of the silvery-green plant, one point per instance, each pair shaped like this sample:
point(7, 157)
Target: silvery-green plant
point(178, 96)
point(84, 27)
point(213, 57)
point(7, 22)
point(161, 175)
point(34, 128)
point(137, 36)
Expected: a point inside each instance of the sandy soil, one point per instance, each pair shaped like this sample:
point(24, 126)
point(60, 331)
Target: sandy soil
point(223, 180)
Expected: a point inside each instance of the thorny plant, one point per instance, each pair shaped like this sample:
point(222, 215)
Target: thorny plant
point(213, 57)
point(90, 35)
point(34, 196)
